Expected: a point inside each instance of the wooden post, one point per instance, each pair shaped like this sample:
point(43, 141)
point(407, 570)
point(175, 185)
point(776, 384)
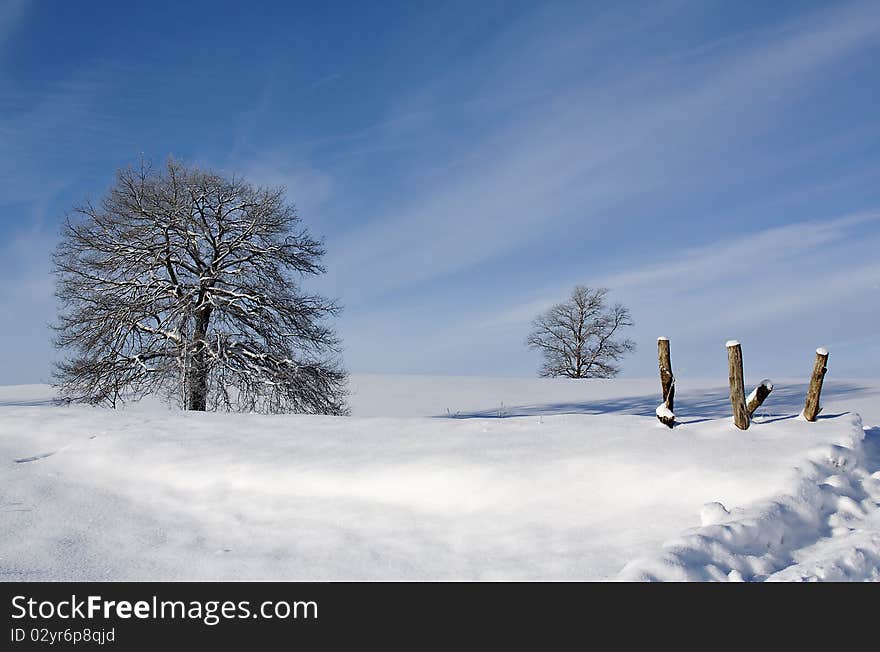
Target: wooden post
point(762, 391)
point(666, 410)
point(811, 406)
point(737, 392)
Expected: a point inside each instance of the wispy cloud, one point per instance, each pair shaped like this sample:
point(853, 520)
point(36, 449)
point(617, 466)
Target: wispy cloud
point(751, 264)
point(588, 150)
point(818, 292)
point(734, 256)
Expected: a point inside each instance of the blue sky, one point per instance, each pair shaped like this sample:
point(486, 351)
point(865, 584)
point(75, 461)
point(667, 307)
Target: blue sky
point(716, 164)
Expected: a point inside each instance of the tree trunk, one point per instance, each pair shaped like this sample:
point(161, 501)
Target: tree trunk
point(198, 371)
point(811, 406)
point(666, 410)
point(756, 398)
point(737, 392)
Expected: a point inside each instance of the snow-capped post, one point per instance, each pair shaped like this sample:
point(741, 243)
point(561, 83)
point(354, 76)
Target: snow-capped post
point(762, 391)
point(737, 391)
point(811, 406)
point(665, 411)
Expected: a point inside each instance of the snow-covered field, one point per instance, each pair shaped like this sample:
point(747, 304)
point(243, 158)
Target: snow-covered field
point(447, 478)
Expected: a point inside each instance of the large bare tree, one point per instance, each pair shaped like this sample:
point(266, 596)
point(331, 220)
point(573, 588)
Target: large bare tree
point(580, 338)
point(185, 282)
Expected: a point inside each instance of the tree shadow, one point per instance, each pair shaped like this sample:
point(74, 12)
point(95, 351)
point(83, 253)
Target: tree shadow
point(782, 418)
point(37, 402)
point(785, 402)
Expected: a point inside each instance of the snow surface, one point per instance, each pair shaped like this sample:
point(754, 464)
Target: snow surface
point(444, 478)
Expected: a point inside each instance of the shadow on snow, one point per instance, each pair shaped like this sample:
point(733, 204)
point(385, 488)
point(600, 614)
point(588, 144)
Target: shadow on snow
point(786, 402)
point(37, 402)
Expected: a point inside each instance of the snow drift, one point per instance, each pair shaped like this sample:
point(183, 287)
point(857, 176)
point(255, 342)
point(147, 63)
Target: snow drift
point(831, 494)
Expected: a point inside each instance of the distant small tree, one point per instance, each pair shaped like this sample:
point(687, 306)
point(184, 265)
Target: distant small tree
point(580, 338)
point(186, 282)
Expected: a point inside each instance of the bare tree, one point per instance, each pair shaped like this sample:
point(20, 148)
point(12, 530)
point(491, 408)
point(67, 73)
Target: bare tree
point(184, 282)
point(579, 337)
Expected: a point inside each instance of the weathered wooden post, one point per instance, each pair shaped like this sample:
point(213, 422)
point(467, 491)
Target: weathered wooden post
point(737, 392)
point(811, 406)
point(666, 410)
point(762, 391)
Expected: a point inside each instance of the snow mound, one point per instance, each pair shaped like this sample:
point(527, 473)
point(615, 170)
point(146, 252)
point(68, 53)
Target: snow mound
point(712, 513)
point(830, 503)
